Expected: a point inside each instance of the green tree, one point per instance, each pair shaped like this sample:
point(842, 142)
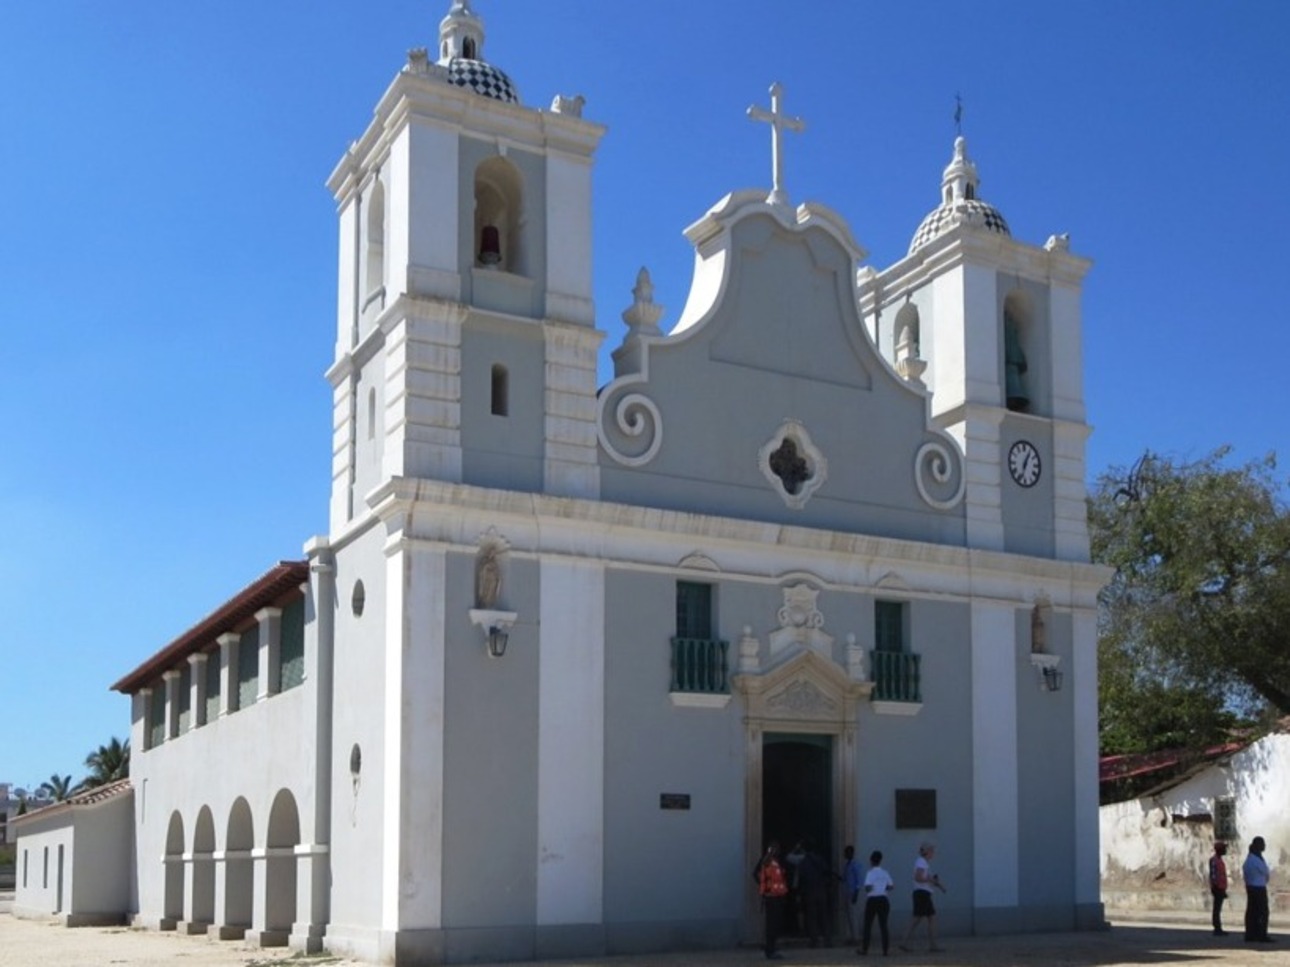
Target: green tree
point(58, 787)
point(1193, 624)
point(108, 763)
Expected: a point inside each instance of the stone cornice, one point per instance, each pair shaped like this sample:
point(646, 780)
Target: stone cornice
point(426, 99)
point(447, 514)
point(965, 246)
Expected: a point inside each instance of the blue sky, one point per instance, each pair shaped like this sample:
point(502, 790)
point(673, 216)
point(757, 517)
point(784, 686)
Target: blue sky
point(169, 249)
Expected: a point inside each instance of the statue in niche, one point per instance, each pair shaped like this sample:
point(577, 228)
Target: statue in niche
point(488, 578)
point(1038, 631)
point(1014, 365)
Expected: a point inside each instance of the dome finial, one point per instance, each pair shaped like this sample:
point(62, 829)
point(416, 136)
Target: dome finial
point(959, 181)
point(461, 33)
point(960, 201)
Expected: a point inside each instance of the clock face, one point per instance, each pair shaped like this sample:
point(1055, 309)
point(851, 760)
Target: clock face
point(1023, 463)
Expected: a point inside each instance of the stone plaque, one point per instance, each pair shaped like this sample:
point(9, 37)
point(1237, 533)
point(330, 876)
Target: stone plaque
point(915, 808)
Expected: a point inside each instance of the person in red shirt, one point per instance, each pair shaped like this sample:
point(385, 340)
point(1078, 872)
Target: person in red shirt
point(1218, 885)
point(772, 884)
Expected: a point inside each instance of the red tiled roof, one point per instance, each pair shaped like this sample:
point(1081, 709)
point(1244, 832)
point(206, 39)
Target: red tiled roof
point(86, 797)
point(1114, 767)
point(279, 582)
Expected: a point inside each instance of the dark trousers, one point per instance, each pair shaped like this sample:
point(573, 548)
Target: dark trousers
point(1219, 897)
point(816, 908)
point(1256, 913)
point(774, 906)
point(880, 907)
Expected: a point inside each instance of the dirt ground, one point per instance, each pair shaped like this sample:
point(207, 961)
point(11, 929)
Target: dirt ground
point(25, 943)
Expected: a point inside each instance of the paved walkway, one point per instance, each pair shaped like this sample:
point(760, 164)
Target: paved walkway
point(25, 943)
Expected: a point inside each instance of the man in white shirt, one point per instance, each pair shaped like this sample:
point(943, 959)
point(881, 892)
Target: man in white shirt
point(877, 884)
point(1255, 873)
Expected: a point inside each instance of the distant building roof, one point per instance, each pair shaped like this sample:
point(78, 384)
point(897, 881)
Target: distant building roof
point(1131, 776)
point(274, 584)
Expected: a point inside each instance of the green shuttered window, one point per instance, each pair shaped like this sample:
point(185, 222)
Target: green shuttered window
point(291, 651)
point(248, 667)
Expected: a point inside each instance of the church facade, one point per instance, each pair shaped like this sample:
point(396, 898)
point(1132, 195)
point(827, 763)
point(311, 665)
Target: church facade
point(811, 565)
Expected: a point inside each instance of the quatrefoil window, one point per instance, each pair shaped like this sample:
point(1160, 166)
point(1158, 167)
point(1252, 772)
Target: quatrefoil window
point(789, 466)
point(793, 465)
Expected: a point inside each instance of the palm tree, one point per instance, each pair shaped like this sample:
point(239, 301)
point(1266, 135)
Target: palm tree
point(108, 763)
point(58, 787)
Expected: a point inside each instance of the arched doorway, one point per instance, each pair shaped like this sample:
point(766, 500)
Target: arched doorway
point(173, 904)
point(282, 839)
point(239, 876)
point(203, 900)
point(799, 760)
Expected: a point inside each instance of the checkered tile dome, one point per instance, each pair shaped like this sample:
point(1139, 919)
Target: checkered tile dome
point(482, 78)
point(939, 220)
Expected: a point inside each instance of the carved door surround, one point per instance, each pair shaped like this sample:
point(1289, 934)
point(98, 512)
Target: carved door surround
point(809, 694)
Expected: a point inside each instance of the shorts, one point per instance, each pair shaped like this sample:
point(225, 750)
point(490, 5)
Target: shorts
point(923, 906)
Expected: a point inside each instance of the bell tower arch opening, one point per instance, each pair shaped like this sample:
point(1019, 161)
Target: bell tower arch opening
point(498, 209)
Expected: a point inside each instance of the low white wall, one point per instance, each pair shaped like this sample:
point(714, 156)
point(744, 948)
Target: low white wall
point(1144, 851)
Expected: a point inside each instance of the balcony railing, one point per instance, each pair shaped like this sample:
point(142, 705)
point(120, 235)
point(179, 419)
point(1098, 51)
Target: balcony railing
point(699, 665)
point(896, 676)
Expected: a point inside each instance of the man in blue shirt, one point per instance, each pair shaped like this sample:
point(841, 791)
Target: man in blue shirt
point(1255, 873)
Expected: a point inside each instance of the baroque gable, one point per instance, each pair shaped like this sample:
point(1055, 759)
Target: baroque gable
point(817, 428)
point(806, 688)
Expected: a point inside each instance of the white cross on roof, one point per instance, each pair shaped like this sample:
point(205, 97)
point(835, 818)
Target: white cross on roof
point(779, 122)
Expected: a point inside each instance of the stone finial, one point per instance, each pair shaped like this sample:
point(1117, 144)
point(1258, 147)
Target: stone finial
point(418, 61)
point(749, 652)
point(856, 669)
point(1058, 243)
point(571, 106)
point(642, 316)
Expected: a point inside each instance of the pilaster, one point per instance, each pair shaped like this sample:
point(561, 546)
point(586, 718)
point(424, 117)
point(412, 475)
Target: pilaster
point(1070, 497)
point(313, 869)
point(977, 430)
point(1082, 679)
point(571, 743)
point(996, 849)
point(221, 929)
point(571, 466)
point(411, 884)
point(270, 650)
point(423, 392)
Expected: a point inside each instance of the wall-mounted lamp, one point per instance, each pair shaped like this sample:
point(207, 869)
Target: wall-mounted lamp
point(496, 626)
point(1048, 666)
point(498, 637)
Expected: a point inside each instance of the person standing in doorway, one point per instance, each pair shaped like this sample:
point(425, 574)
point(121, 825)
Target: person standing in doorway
point(852, 883)
point(877, 885)
point(1218, 885)
point(772, 884)
point(924, 909)
point(1255, 872)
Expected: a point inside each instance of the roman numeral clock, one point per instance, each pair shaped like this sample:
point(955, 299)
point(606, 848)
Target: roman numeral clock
point(1023, 463)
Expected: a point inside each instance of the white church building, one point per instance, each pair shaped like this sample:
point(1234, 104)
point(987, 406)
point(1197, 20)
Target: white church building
point(812, 564)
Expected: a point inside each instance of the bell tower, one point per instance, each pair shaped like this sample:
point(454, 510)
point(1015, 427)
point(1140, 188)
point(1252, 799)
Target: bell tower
point(991, 326)
point(466, 345)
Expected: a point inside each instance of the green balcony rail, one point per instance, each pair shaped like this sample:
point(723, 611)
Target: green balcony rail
point(699, 665)
point(895, 676)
